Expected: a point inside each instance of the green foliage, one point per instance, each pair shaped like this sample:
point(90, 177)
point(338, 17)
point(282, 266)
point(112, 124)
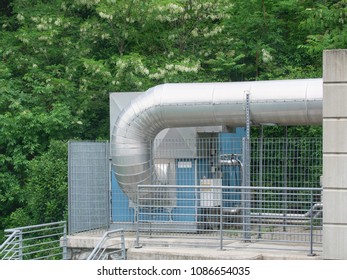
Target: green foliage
point(326, 25)
point(46, 188)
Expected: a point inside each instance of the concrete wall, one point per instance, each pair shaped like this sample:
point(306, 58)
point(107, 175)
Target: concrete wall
point(335, 154)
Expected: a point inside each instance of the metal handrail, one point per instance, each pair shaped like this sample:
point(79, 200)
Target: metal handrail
point(36, 226)
point(113, 249)
point(9, 249)
point(35, 242)
point(232, 218)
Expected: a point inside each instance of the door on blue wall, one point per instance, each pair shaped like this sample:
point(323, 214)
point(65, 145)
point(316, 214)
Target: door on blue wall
point(185, 210)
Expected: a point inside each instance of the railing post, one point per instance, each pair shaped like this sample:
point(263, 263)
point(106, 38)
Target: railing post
point(311, 254)
point(20, 244)
point(123, 252)
point(246, 197)
point(260, 197)
point(285, 181)
point(221, 221)
point(137, 242)
point(245, 193)
point(64, 242)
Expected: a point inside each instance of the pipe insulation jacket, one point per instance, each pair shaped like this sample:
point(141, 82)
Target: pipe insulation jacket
point(284, 102)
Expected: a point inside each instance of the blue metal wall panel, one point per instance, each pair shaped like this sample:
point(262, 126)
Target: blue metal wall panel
point(231, 143)
point(186, 198)
point(121, 212)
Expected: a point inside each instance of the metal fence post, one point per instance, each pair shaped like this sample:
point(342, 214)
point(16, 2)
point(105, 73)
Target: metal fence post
point(64, 242)
point(20, 245)
point(285, 181)
point(311, 254)
point(221, 222)
point(260, 192)
point(246, 196)
point(137, 242)
point(123, 250)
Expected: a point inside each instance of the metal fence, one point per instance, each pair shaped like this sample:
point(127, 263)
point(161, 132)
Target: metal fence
point(216, 213)
point(203, 188)
point(88, 186)
point(44, 241)
point(214, 186)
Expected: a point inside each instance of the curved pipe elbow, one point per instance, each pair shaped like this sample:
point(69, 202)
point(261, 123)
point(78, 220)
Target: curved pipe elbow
point(289, 102)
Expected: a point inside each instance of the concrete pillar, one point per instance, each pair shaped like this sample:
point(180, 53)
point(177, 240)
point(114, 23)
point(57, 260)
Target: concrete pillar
point(335, 154)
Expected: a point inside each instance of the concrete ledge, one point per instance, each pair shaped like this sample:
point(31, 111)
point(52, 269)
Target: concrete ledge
point(80, 246)
point(156, 253)
point(89, 242)
point(242, 251)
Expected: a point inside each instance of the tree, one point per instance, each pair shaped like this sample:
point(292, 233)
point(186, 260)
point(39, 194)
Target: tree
point(326, 27)
point(46, 189)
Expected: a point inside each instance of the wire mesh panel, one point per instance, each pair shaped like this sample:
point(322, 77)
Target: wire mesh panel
point(197, 161)
point(199, 217)
point(286, 162)
point(88, 186)
point(287, 174)
point(199, 188)
point(269, 219)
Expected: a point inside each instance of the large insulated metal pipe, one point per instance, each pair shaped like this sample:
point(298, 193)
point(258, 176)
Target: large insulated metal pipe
point(284, 102)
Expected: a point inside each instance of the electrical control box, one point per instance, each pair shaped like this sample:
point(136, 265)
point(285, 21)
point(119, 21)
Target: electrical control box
point(210, 194)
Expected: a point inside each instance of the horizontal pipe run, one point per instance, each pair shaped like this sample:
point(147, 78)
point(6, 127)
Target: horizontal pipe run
point(286, 102)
